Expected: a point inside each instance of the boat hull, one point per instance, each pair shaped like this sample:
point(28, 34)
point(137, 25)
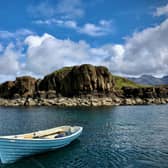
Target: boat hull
point(12, 150)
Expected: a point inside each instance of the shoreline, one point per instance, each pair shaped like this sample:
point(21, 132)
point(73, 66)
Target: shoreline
point(76, 101)
point(83, 85)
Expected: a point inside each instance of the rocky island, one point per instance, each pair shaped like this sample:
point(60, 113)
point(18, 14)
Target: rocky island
point(84, 85)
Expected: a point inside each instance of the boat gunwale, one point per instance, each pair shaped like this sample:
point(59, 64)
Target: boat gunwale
point(41, 139)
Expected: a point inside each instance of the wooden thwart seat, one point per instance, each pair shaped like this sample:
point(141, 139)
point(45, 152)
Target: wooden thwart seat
point(44, 134)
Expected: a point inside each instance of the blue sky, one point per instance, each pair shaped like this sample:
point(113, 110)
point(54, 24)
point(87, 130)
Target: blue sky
point(129, 37)
point(126, 16)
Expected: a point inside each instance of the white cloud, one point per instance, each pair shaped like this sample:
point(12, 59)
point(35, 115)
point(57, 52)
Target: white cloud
point(11, 53)
point(104, 27)
point(161, 11)
point(23, 32)
point(35, 41)
point(5, 34)
point(43, 9)
point(92, 30)
point(17, 34)
point(63, 23)
point(71, 8)
point(64, 14)
point(143, 52)
point(47, 53)
point(9, 61)
point(146, 52)
point(64, 8)
point(71, 24)
point(1, 47)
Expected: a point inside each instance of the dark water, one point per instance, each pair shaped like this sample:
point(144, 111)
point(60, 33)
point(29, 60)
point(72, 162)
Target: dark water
point(126, 136)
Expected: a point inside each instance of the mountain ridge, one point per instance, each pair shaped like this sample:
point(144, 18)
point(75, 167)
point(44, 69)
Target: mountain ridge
point(150, 80)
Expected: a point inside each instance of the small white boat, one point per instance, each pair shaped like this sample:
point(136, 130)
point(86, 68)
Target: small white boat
point(15, 147)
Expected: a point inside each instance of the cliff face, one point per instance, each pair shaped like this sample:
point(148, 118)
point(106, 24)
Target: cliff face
point(147, 92)
point(6, 89)
point(21, 87)
point(69, 81)
point(79, 81)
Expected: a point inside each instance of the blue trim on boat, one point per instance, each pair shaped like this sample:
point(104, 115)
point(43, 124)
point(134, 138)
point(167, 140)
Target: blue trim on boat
point(13, 149)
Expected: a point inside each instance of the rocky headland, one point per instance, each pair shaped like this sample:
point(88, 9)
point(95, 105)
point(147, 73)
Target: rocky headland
point(84, 85)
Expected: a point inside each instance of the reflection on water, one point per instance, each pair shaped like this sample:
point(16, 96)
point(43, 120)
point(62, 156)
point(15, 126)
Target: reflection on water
point(125, 136)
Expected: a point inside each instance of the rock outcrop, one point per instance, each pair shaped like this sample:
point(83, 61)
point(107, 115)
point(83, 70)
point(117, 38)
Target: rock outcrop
point(6, 89)
point(146, 92)
point(79, 80)
point(21, 87)
point(84, 85)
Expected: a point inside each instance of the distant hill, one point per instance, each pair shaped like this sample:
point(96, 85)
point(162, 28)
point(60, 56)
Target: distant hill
point(124, 82)
point(150, 80)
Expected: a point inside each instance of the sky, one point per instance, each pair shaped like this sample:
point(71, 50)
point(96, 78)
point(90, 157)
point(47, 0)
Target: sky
point(37, 37)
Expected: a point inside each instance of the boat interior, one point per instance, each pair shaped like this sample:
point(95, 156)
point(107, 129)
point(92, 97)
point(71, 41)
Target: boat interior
point(52, 133)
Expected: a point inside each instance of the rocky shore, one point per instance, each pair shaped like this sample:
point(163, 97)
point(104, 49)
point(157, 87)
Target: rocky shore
point(70, 102)
point(84, 85)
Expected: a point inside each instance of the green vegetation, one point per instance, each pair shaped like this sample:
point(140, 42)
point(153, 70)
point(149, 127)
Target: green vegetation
point(123, 82)
point(64, 69)
point(119, 81)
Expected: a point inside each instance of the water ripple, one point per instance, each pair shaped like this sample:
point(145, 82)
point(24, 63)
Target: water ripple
point(120, 137)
